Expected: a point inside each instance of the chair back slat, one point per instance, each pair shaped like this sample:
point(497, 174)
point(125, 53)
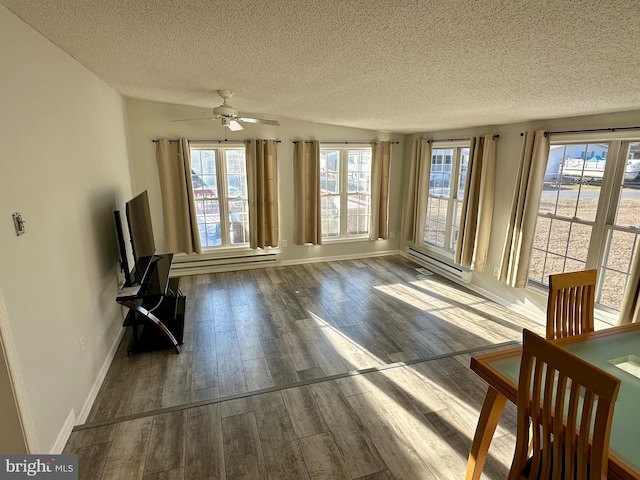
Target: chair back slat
point(572, 416)
point(547, 420)
point(558, 429)
point(583, 436)
point(570, 303)
point(569, 404)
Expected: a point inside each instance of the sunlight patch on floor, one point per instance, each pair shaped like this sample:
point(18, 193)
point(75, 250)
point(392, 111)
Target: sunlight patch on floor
point(421, 422)
point(412, 297)
point(353, 354)
point(421, 300)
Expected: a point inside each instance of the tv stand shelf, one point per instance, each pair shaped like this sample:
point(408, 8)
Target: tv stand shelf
point(156, 312)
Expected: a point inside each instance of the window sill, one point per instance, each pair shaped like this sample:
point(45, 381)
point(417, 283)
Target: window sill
point(607, 315)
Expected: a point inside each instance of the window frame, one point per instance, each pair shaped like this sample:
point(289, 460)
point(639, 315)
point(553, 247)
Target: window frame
point(609, 200)
point(343, 191)
point(223, 197)
point(453, 201)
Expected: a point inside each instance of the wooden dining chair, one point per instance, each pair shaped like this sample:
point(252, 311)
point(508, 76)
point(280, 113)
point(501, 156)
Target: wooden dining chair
point(570, 303)
point(571, 445)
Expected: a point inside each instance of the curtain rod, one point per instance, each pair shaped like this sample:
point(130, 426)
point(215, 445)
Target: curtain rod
point(614, 129)
point(213, 141)
point(587, 130)
point(395, 142)
point(457, 139)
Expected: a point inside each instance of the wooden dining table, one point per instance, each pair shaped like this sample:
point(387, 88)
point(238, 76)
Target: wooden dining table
point(615, 350)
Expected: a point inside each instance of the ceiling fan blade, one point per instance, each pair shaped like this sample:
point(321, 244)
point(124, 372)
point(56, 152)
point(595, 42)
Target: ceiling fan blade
point(275, 123)
point(235, 126)
point(192, 119)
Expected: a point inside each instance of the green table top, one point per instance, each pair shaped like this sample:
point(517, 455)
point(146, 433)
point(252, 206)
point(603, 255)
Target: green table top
point(601, 351)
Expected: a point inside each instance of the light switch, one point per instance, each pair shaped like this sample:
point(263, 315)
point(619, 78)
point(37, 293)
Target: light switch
point(18, 223)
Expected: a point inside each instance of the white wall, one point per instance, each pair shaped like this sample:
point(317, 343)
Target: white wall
point(530, 300)
point(65, 167)
point(151, 120)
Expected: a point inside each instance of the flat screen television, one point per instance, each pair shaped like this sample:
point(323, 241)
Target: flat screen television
point(140, 228)
point(123, 258)
point(141, 233)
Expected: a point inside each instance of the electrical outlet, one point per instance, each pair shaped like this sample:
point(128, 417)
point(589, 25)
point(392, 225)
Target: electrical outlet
point(83, 347)
point(284, 244)
point(392, 234)
point(496, 271)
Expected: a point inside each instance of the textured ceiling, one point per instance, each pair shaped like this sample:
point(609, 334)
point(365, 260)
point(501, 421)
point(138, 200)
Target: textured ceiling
point(404, 66)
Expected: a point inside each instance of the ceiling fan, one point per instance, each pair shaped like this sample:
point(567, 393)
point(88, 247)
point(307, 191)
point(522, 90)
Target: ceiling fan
point(230, 116)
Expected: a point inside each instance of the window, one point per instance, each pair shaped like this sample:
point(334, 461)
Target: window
point(345, 186)
point(588, 215)
point(446, 191)
point(219, 179)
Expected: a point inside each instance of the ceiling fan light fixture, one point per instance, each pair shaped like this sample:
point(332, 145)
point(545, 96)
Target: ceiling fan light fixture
point(231, 124)
point(235, 126)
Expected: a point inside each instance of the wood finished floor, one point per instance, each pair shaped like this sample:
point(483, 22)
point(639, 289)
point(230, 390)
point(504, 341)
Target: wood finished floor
point(272, 381)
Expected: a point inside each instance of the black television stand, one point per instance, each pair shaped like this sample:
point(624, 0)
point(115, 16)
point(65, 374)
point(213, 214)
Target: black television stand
point(156, 311)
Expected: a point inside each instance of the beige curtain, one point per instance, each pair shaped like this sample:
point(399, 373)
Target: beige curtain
point(178, 207)
point(381, 158)
point(477, 204)
point(516, 255)
point(630, 310)
point(306, 190)
point(262, 179)
point(417, 191)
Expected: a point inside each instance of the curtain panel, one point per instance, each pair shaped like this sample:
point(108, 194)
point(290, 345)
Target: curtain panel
point(262, 178)
point(178, 206)
point(516, 255)
point(417, 191)
point(306, 191)
point(630, 310)
point(381, 158)
point(472, 245)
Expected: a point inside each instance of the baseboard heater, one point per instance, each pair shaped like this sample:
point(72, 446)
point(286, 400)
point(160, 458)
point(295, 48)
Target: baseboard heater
point(438, 266)
point(190, 265)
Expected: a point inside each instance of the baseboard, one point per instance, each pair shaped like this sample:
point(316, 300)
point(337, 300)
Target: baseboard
point(354, 256)
point(93, 393)
point(65, 433)
point(527, 313)
point(279, 263)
